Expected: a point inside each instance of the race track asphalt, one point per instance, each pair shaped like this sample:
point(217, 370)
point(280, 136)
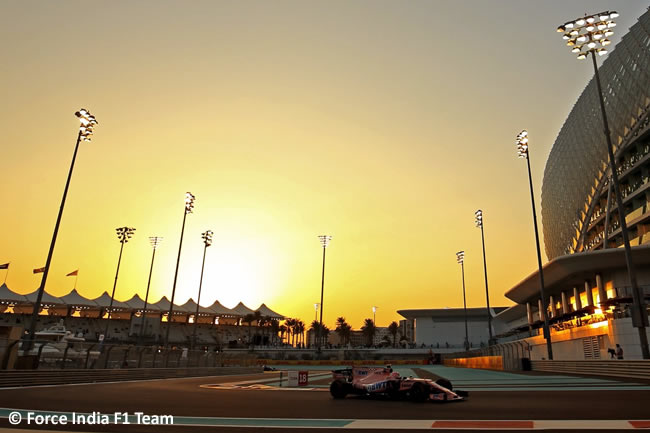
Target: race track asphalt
point(187, 397)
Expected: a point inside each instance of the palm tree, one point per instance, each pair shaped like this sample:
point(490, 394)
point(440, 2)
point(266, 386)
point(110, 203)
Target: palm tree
point(393, 328)
point(249, 318)
point(325, 332)
point(282, 330)
point(290, 323)
point(275, 327)
point(299, 329)
point(343, 329)
point(369, 330)
point(261, 321)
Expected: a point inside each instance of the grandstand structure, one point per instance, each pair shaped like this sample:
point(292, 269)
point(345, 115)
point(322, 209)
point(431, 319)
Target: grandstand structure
point(130, 322)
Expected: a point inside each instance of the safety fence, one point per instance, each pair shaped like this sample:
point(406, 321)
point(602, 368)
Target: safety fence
point(634, 369)
point(82, 355)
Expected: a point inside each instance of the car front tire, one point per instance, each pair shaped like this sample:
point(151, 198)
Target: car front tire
point(339, 389)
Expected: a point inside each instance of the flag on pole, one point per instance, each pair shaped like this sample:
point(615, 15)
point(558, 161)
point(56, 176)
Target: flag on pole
point(73, 273)
point(39, 270)
point(4, 266)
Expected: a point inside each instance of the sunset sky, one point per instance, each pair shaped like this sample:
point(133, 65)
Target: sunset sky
point(384, 124)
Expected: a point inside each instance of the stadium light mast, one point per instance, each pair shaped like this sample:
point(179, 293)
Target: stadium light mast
point(588, 35)
point(460, 258)
point(123, 235)
point(522, 152)
point(155, 243)
point(207, 241)
point(189, 207)
point(88, 122)
point(479, 223)
point(324, 241)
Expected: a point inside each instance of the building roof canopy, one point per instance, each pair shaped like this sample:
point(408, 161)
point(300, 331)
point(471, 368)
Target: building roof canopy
point(564, 272)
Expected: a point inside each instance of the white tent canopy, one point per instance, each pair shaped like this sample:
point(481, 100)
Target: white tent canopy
point(46, 299)
point(10, 297)
point(105, 301)
point(220, 310)
point(75, 299)
point(242, 309)
point(137, 303)
point(267, 312)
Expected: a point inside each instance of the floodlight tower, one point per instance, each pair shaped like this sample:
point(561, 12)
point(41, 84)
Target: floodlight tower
point(189, 207)
point(522, 152)
point(588, 35)
point(88, 122)
point(460, 258)
point(123, 235)
point(207, 241)
point(324, 241)
point(479, 223)
point(155, 243)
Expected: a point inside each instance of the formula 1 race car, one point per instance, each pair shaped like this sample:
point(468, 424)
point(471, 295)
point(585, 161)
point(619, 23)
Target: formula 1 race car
point(383, 381)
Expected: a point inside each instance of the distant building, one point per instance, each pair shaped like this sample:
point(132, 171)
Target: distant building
point(407, 330)
point(446, 327)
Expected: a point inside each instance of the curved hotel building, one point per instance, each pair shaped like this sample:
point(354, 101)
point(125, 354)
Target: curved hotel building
point(586, 278)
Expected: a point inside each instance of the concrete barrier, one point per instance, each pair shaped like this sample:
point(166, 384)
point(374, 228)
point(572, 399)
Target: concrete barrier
point(484, 362)
point(634, 369)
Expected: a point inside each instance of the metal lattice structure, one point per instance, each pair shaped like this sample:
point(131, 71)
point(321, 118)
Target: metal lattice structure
point(578, 207)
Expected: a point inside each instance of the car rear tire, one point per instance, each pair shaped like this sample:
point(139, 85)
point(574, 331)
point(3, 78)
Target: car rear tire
point(418, 392)
point(339, 389)
point(445, 384)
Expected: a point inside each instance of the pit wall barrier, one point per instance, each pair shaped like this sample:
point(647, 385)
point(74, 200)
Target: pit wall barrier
point(483, 362)
point(343, 362)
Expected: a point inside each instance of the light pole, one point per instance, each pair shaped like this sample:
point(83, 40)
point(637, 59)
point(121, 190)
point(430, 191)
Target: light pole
point(588, 35)
point(88, 121)
point(316, 305)
point(324, 241)
point(123, 235)
point(207, 241)
point(522, 152)
point(460, 258)
point(189, 206)
point(374, 321)
point(479, 223)
point(155, 242)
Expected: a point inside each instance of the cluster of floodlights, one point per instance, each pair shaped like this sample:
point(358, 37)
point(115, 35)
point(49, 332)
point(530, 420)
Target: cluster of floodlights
point(325, 240)
point(207, 237)
point(88, 121)
point(460, 257)
point(189, 202)
point(479, 218)
point(124, 234)
point(155, 241)
point(522, 144)
point(589, 34)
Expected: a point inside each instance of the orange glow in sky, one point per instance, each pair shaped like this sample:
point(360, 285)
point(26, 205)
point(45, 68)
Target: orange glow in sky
point(383, 124)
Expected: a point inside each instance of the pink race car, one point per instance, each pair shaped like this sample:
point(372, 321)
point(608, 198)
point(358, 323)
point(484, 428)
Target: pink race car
point(384, 381)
